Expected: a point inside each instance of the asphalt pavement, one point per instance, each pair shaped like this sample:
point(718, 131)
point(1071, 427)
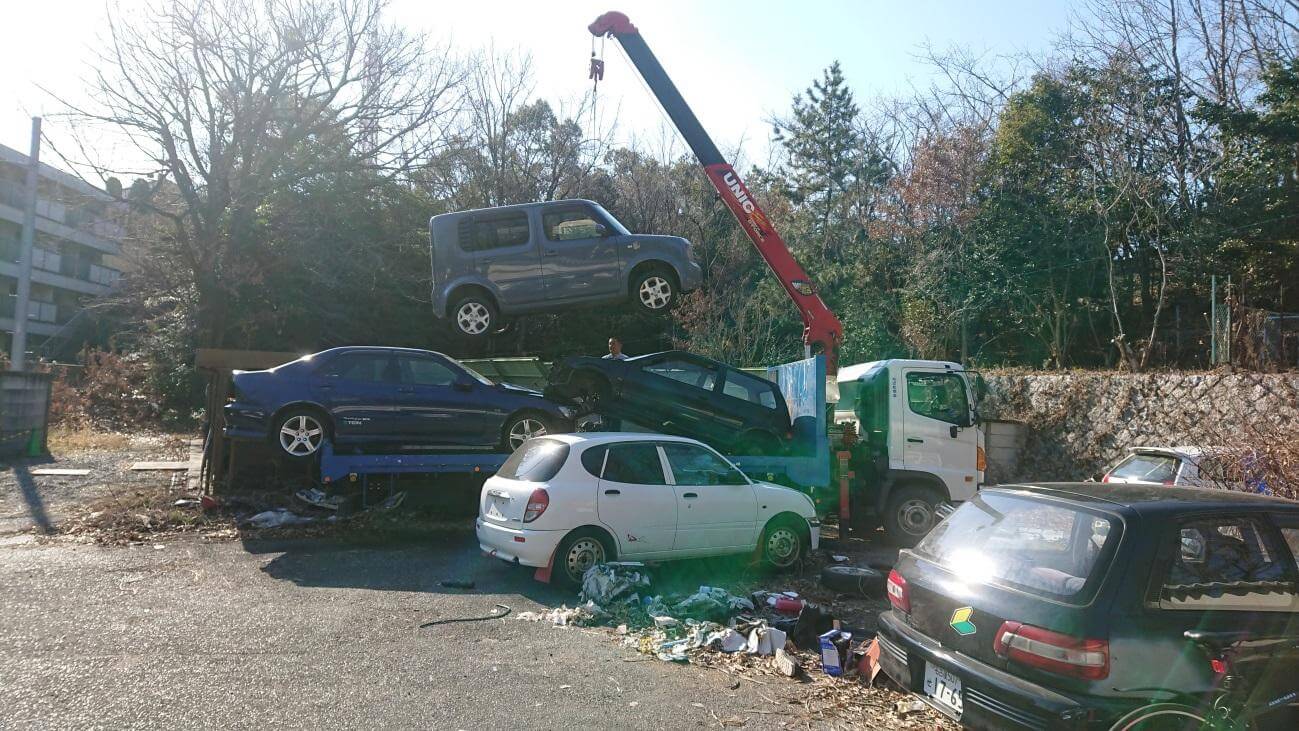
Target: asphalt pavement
point(317, 634)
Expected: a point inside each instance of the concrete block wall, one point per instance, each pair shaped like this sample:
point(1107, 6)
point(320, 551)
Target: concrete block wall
point(1075, 423)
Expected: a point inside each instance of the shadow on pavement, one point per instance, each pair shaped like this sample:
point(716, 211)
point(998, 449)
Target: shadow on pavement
point(32, 496)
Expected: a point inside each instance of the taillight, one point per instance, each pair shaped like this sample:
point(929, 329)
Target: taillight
point(1052, 651)
point(980, 459)
point(899, 592)
point(538, 501)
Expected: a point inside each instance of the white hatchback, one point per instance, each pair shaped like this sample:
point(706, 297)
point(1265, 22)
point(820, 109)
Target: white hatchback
point(570, 501)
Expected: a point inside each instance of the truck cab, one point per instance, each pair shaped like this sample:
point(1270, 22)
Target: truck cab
point(919, 443)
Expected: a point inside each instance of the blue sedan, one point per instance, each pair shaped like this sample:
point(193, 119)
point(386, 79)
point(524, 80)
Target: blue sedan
point(385, 396)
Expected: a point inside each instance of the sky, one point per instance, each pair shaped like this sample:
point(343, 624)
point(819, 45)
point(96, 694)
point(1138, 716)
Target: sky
point(736, 63)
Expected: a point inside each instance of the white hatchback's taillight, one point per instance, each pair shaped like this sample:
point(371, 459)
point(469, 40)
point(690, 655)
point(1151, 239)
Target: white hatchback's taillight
point(538, 501)
point(899, 592)
point(1052, 651)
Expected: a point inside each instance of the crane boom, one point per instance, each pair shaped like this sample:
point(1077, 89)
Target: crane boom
point(821, 329)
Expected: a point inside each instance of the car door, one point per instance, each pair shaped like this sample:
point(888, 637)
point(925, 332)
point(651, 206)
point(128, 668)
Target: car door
point(633, 497)
point(939, 436)
point(675, 394)
point(437, 403)
point(716, 507)
point(506, 254)
point(359, 390)
point(579, 254)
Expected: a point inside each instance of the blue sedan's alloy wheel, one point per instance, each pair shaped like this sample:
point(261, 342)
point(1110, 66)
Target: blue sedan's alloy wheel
point(300, 435)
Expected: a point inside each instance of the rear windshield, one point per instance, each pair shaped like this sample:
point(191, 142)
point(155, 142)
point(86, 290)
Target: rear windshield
point(1146, 468)
point(1043, 548)
point(536, 460)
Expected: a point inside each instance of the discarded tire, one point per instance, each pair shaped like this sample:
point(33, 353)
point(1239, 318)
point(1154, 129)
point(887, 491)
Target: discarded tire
point(853, 580)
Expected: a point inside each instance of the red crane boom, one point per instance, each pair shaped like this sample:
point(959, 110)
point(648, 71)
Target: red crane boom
point(822, 331)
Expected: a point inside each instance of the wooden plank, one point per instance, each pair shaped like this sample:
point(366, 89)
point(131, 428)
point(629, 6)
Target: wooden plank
point(159, 466)
point(59, 472)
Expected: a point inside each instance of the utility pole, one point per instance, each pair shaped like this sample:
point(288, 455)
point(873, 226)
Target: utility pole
point(1213, 320)
point(18, 349)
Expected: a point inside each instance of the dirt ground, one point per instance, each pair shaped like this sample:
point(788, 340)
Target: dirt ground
point(126, 512)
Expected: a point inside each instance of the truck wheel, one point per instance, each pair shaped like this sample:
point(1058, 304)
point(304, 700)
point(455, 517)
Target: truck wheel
point(910, 514)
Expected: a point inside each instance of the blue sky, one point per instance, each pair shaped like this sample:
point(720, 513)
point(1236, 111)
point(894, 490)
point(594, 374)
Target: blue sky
point(736, 63)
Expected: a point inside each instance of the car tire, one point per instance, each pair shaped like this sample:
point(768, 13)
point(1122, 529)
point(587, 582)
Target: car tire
point(655, 290)
point(523, 426)
point(474, 316)
point(783, 544)
point(910, 513)
point(579, 551)
point(856, 580)
point(298, 434)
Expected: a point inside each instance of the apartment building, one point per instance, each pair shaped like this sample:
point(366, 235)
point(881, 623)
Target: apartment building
point(76, 245)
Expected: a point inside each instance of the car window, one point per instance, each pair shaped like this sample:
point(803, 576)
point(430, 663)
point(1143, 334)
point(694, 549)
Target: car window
point(1049, 549)
point(693, 374)
point(1158, 468)
point(575, 223)
point(536, 460)
point(1291, 536)
point(365, 367)
point(425, 372)
point(743, 386)
point(694, 465)
point(1228, 563)
point(593, 460)
point(634, 464)
point(497, 232)
point(939, 396)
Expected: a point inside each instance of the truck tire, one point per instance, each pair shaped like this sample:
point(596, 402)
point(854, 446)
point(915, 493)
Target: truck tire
point(910, 513)
point(856, 580)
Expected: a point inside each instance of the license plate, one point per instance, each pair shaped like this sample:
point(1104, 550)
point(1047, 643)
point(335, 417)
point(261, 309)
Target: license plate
point(494, 509)
point(943, 688)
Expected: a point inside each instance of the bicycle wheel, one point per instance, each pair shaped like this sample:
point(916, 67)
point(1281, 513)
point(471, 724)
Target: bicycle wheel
point(1163, 717)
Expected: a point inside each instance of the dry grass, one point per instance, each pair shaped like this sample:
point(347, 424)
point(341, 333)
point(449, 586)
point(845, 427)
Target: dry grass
point(64, 438)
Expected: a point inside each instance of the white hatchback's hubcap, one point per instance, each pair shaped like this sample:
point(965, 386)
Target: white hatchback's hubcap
point(582, 555)
point(782, 546)
point(525, 429)
point(473, 318)
point(301, 435)
point(655, 292)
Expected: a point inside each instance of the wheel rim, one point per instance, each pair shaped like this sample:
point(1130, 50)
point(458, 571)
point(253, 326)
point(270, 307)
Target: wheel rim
point(655, 292)
point(915, 516)
point(301, 435)
point(782, 546)
point(582, 555)
point(473, 318)
point(525, 429)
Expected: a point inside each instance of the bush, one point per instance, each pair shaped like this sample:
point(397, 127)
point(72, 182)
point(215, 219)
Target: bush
point(109, 390)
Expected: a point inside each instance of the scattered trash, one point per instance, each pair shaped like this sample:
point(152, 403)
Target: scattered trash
point(834, 651)
point(838, 559)
point(857, 580)
point(727, 640)
point(59, 472)
point(869, 665)
point(316, 497)
point(787, 664)
point(909, 706)
point(765, 641)
point(619, 581)
point(565, 687)
point(456, 583)
point(277, 518)
point(563, 616)
point(812, 622)
point(158, 546)
point(186, 503)
point(208, 502)
point(664, 622)
point(712, 603)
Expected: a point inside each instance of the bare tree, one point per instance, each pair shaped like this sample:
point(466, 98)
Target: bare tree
point(235, 99)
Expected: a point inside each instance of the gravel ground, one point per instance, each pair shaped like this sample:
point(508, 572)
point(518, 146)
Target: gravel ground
point(240, 629)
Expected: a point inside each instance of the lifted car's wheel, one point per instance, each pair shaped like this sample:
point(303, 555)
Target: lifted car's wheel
point(474, 316)
point(522, 427)
point(783, 544)
point(910, 514)
point(579, 551)
point(654, 290)
point(299, 433)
